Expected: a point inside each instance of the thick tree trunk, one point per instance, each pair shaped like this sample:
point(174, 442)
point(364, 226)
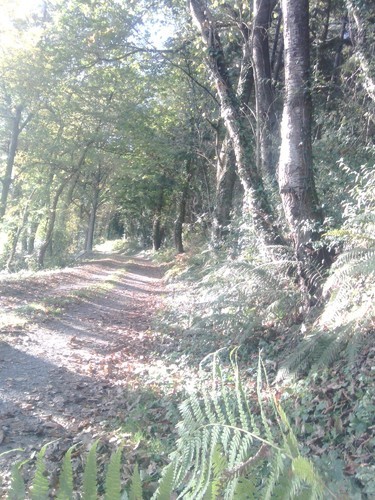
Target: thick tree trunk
point(265, 109)
point(7, 179)
point(296, 180)
point(255, 195)
point(225, 179)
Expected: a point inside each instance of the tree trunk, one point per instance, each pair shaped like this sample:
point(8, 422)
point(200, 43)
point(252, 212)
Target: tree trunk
point(265, 109)
point(31, 239)
point(296, 180)
point(7, 179)
point(17, 234)
point(225, 179)
point(226, 160)
point(157, 229)
point(255, 195)
point(50, 226)
point(181, 213)
point(365, 42)
point(92, 219)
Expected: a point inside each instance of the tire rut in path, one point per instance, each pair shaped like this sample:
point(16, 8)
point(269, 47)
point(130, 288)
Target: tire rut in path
point(66, 377)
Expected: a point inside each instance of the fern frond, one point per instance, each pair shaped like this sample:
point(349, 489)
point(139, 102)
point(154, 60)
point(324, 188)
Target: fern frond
point(166, 483)
point(135, 491)
point(40, 485)
point(90, 475)
point(65, 491)
point(276, 469)
point(113, 477)
point(305, 471)
point(218, 449)
point(17, 490)
point(358, 261)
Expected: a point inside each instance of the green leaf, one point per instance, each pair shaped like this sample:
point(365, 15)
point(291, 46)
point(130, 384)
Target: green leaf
point(17, 489)
point(90, 475)
point(40, 486)
point(65, 491)
point(135, 492)
point(166, 483)
point(113, 477)
point(304, 469)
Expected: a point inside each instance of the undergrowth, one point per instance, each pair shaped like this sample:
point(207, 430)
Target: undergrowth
point(228, 447)
point(320, 359)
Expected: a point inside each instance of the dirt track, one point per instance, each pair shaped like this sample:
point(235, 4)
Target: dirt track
point(68, 371)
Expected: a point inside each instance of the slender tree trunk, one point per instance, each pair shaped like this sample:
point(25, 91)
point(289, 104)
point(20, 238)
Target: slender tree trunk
point(50, 226)
point(255, 195)
point(92, 220)
point(364, 42)
point(276, 39)
point(265, 109)
point(17, 233)
point(7, 179)
point(226, 160)
point(278, 64)
point(181, 212)
point(337, 62)
point(296, 180)
point(157, 229)
point(31, 239)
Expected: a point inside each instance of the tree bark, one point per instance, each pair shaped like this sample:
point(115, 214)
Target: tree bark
point(296, 180)
point(365, 43)
point(157, 229)
point(15, 238)
point(92, 220)
point(225, 179)
point(7, 179)
point(50, 226)
point(181, 211)
point(265, 109)
point(255, 195)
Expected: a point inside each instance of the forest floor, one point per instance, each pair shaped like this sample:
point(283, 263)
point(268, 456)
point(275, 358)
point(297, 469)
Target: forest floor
point(105, 350)
point(80, 361)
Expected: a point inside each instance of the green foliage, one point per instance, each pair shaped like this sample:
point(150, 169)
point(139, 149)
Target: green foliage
point(40, 487)
point(90, 474)
point(224, 448)
point(65, 490)
point(112, 480)
point(17, 487)
point(135, 492)
point(349, 290)
point(224, 445)
point(248, 299)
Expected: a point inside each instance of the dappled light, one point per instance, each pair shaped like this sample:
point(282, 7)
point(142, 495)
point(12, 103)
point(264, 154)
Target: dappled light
point(187, 250)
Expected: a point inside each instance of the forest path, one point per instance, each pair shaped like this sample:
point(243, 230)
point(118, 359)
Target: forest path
point(73, 343)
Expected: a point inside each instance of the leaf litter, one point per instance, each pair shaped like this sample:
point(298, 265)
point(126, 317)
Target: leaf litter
point(84, 363)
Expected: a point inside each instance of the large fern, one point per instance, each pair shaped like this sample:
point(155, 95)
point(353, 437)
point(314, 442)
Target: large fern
point(67, 490)
point(347, 317)
point(225, 446)
point(227, 449)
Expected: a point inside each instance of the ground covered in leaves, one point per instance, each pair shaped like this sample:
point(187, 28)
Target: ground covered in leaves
point(105, 351)
point(80, 361)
